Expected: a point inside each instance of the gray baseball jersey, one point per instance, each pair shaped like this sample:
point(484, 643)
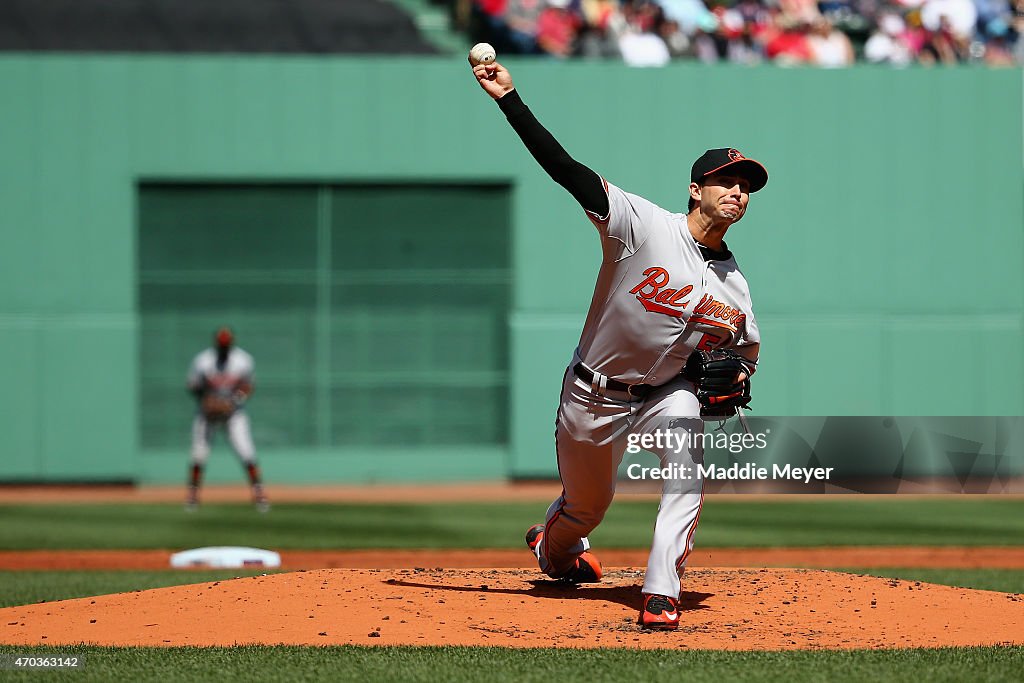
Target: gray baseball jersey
point(657, 298)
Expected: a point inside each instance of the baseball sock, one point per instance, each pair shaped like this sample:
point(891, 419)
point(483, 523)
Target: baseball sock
point(196, 477)
point(254, 473)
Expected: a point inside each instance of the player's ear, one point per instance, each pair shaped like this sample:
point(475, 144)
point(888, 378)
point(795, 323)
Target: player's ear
point(695, 192)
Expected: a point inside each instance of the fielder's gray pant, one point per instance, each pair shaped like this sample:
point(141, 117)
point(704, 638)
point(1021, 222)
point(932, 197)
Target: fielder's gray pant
point(239, 436)
point(591, 434)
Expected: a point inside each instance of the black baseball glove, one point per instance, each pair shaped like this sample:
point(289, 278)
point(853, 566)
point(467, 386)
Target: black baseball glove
point(714, 373)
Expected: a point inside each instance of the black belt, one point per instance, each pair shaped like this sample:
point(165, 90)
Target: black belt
point(638, 390)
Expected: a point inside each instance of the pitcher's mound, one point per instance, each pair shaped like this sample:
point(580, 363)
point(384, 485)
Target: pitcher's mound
point(748, 609)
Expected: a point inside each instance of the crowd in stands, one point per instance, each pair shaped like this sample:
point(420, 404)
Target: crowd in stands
point(823, 33)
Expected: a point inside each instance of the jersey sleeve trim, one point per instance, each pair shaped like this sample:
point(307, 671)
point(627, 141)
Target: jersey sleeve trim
point(596, 218)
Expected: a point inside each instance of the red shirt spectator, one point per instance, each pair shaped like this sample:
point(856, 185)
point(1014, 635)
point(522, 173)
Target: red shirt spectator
point(790, 47)
point(556, 31)
point(492, 8)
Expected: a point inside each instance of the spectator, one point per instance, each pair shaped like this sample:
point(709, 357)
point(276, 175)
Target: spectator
point(951, 45)
point(790, 46)
point(677, 42)
point(705, 47)
point(598, 35)
point(735, 40)
point(744, 49)
point(689, 14)
point(489, 23)
point(887, 44)
point(1017, 26)
point(992, 10)
point(643, 49)
point(997, 48)
point(830, 48)
point(814, 32)
point(799, 11)
point(557, 26)
point(960, 16)
point(639, 42)
point(521, 17)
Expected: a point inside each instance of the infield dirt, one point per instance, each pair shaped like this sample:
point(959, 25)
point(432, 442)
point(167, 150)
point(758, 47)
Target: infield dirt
point(723, 608)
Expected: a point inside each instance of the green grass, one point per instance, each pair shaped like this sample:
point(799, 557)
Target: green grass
point(859, 520)
point(26, 587)
point(856, 520)
point(1003, 580)
point(493, 665)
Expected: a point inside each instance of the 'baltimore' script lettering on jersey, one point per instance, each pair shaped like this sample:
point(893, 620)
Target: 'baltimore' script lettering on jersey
point(657, 297)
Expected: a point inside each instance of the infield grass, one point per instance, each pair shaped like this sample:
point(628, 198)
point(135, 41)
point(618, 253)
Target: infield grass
point(857, 520)
point(1002, 580)
point(27, 587)
point(495, 665)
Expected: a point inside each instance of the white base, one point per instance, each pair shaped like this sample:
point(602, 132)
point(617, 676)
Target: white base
point(227, 557)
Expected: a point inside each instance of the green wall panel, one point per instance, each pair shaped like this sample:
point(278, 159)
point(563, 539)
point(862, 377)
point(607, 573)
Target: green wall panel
point(965, 368)
point(86, 370)
point(825, 358)
point(319, 466)
point(376, 314)
point(892, 223)
point(543, 348)
point(22, 401)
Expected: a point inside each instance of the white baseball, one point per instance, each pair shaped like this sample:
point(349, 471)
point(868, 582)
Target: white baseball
point(481, 53)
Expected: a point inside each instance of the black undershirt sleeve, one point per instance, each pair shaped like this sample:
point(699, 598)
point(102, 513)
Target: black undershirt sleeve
point(582, 183)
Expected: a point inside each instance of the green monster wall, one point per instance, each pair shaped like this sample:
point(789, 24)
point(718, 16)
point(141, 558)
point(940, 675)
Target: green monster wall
point(885, 256)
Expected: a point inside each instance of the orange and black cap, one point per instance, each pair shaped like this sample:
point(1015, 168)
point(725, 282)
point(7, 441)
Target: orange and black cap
point(717, 160)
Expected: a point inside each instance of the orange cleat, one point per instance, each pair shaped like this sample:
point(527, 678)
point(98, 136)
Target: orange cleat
point(660, 613)
point(587, 568)
point(533, 536)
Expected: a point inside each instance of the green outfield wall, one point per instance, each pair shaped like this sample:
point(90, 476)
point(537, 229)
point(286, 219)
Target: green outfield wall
point(412, 285)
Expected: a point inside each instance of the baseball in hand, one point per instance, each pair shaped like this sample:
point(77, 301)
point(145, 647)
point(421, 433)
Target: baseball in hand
point(481, 53)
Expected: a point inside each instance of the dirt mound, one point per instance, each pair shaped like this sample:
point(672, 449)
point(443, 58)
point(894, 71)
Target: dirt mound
point(738, 609)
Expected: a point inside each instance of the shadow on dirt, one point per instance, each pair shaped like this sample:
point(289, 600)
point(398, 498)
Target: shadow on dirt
point(545, 589)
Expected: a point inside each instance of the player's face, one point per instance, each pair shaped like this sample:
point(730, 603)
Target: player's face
point(724, 197)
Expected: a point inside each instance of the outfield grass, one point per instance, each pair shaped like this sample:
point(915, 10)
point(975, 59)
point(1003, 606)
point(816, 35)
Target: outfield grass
point(27, 587)
point(857, 520)
point(464, 664)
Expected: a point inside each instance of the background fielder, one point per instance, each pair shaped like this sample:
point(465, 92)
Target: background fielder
point(668, 288)
point(221, 380)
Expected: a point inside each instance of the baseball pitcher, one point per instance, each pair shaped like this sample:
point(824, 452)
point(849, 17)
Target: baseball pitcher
point(670, 340)
point(220, 378)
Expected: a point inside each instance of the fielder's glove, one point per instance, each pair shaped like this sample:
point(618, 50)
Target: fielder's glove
point(215, 407)
point(714, 373)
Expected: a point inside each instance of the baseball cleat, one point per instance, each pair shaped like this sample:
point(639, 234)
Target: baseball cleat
point(259, 499)
point(660, 613)
point(192, 500)
point(587, 570)
point(533, 537)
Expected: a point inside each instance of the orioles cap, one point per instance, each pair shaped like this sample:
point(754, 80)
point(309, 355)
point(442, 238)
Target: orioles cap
point(716, 160)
